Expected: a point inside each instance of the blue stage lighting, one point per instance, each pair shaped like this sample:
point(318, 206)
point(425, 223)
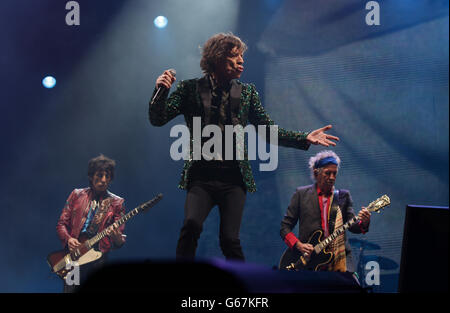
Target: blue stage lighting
point(160, 21)
point(49, 82)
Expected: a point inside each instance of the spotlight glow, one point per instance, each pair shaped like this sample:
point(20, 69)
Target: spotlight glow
point(160, 21)
point(49, 82)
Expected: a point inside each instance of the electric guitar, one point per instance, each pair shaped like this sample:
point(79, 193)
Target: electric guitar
point(294, 260)
point(85, 253)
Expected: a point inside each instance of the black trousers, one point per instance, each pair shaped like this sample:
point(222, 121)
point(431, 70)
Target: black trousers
point(221, 187)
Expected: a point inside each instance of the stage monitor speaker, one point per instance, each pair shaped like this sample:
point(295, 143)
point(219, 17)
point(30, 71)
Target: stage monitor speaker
point(215, 276)
point(424, 259)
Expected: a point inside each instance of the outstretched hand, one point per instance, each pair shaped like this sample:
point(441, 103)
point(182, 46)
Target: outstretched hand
point(319, 137)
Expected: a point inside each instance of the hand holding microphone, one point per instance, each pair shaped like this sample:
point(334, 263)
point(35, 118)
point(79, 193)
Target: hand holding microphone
point(164, 82)
point(166, 79)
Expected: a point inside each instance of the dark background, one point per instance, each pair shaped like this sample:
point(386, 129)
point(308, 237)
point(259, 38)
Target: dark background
point(384, 88)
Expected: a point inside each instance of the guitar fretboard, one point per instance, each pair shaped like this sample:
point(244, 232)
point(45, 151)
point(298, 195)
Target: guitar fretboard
point(374, 206)
point(323, 244)
point(91, 242)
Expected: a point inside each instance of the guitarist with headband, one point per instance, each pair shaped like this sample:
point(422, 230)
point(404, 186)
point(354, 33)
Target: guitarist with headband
point(321, 207)
point(89, 211)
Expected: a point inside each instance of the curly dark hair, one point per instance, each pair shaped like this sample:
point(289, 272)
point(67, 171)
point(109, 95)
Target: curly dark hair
point(218, 47)
point(101, 163)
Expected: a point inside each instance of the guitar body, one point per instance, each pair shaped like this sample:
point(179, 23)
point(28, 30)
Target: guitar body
point(292, 259)
point(59, 260)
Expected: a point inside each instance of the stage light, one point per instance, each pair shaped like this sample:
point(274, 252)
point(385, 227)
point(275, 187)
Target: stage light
point(49, 82)
point(160, 21)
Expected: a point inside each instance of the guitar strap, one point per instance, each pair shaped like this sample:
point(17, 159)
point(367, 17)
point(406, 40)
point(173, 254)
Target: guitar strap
point(332, 210)
point(338, 245)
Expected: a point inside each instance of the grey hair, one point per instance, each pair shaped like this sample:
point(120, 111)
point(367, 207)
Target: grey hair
point(319, 156)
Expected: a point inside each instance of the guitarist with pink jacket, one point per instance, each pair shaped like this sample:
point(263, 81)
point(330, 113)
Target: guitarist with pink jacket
point(89, 211)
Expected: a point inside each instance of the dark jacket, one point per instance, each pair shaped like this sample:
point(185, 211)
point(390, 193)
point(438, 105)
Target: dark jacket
point(192, 98)
point(304, 208)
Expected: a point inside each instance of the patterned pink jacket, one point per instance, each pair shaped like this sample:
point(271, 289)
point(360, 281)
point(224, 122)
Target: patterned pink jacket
point(75, 212)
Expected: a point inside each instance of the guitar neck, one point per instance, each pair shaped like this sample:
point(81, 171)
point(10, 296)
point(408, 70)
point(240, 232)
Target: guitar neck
point(91, 242)
point(324, 243)
point(374, 206)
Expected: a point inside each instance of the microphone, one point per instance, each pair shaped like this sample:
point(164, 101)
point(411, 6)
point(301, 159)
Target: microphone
point(161, 88)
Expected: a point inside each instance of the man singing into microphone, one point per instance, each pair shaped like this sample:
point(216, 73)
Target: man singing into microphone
point(219, 98)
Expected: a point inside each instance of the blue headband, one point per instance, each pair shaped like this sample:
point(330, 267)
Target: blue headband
point(325, 161)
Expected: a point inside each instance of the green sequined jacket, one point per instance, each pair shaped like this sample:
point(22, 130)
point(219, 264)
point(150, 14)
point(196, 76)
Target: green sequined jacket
point(192, 98)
